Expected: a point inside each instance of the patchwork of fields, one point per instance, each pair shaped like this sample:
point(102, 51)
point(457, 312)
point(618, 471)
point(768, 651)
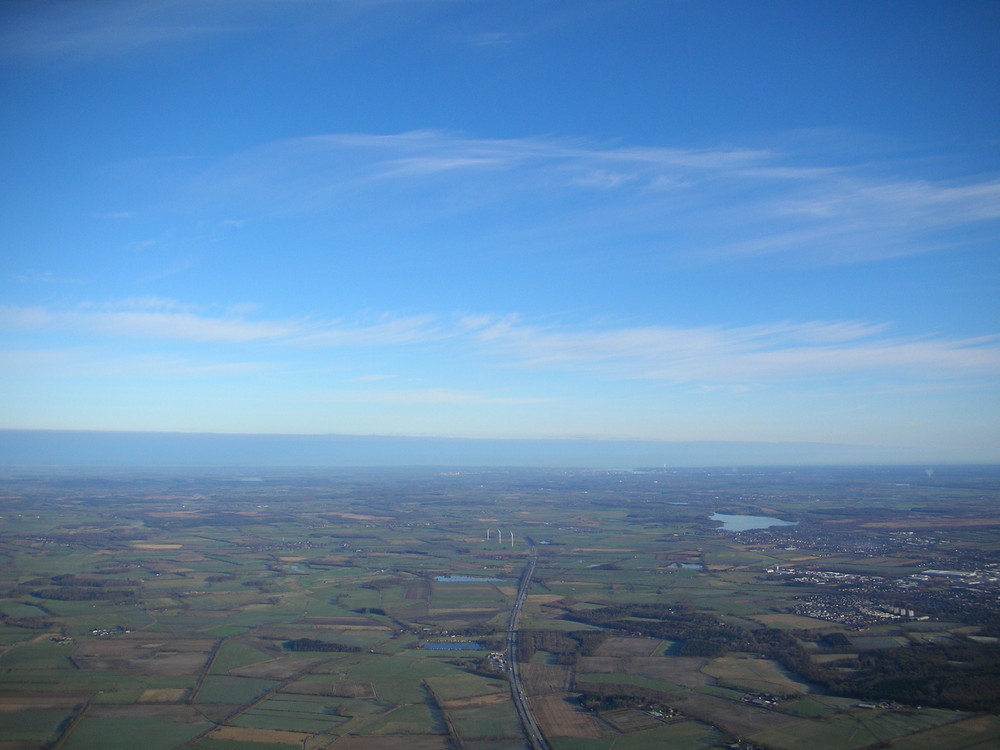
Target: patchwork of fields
point(209, 612)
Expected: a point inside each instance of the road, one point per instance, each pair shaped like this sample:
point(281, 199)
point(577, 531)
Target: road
point(531, 730)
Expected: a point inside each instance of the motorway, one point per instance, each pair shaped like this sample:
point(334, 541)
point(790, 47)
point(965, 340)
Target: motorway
point(531, 730)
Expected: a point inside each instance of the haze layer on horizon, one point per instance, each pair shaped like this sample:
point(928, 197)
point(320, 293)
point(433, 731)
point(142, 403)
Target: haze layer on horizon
point(635, 221)
point(24, 449)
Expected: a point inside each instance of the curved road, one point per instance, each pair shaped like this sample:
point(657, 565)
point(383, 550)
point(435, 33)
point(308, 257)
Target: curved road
point(531, 730)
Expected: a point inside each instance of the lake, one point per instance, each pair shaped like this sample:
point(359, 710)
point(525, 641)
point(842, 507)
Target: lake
point(466, 579)
point(746, 523)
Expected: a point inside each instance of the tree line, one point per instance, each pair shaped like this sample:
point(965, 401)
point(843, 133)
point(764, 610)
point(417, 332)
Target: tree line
point(961, 674)
point(312, 644)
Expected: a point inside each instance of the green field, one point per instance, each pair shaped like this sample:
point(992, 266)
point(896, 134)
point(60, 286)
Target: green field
point(495, 721)
point(684, 735)
point(37, 728)
point(119, 733)
point(235, 654)
point(760, 675)
point(159, 605)
point(232, 690)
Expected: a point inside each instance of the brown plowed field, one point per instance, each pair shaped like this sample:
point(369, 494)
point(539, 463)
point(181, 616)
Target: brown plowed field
point(242, 734)
point(418, 590)
point(559, 715)
point(174, 665)
point(363, 622)
point(739, 719)
point(143, 644)
point(176, 714)
point(539, 679)
point(415, 611)
point(630, 720)
point(478, 701)
point(163, 695)
point(357, 517)
point(15, 702)
point(796, 622)
point(277, 669)
point(338, 689)
point(680, 670)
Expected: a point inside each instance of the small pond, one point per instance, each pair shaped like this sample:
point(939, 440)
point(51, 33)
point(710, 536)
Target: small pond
point(746, 523)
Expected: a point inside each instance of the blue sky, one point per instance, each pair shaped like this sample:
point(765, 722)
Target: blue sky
point(771, 221)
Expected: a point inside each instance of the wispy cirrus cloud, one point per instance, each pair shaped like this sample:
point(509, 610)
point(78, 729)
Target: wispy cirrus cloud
point(55, 30)
point(763, 353)
point(726, 202)
point(386, 330)
point(748, 355)
point(82, 31)
point(91, 362)
point(153, 319)
point(31, 276)
point(143, 323)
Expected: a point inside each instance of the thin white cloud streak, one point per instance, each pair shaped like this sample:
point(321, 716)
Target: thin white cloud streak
point(728, 202)
point(919, 201)
point(388, 331)
point(88, 362)
point(420, 152)
point(307, 170)
point(143, 324)
point(700, 355)
point(58, 30)
point(86, 31)
point(740, 354)
point(158, 319)
point(32, 276)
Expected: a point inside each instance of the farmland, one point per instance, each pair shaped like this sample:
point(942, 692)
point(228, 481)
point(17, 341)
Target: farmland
point(215, 609)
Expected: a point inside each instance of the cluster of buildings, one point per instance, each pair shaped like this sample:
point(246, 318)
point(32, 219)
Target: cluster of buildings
point(851, 610)
point(825, 577)
point(859, 600)
point(104, 632)
point(497, 660)
point(765, 700)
